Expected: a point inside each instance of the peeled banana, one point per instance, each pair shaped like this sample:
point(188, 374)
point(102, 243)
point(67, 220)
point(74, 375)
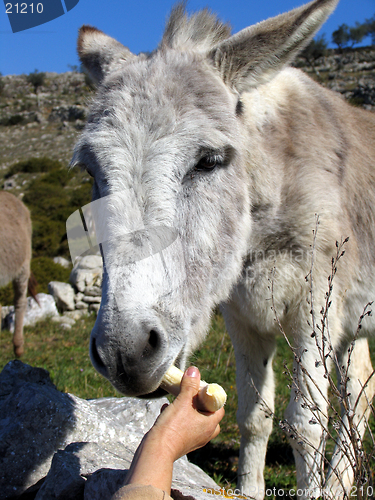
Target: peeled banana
point(211, 397)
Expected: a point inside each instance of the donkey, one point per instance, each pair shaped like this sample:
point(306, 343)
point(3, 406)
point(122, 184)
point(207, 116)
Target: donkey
point(211, 158)
point(15, 256)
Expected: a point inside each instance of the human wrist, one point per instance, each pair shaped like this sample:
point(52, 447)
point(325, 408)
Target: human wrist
point(152, 464)
point(160, 442)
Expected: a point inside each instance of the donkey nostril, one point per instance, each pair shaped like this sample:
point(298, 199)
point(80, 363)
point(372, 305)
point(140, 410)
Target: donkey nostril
point(153, 343)
point(153, 339)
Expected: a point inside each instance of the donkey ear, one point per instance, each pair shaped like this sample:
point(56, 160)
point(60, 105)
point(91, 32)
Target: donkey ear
point(100, 53)
point(256, 54)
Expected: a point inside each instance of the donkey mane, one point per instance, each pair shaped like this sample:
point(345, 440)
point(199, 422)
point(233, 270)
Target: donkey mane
point(200, 31)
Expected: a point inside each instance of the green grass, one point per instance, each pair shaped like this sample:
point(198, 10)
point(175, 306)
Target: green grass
point(65, 354)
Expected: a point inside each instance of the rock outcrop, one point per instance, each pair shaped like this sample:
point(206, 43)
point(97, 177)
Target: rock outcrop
point(66, 302)
point(57, 446)
point(34, 313)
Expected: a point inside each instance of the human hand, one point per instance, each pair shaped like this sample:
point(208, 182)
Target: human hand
point(181, 427)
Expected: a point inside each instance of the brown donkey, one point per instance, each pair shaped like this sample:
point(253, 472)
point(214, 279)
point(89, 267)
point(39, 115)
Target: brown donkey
point(15, 256)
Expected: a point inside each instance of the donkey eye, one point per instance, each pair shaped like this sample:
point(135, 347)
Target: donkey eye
point(209, 163)
point(88, 171)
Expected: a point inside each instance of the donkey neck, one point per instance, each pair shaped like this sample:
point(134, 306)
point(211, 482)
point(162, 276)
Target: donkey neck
point(295, 141)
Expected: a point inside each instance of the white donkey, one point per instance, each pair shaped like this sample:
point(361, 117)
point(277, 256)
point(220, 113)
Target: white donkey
point(212, 159)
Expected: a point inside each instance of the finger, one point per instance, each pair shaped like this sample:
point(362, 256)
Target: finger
point(216, 432)
point(216, 418)
point(220, 413)
point(165, 405)
point(190, 382)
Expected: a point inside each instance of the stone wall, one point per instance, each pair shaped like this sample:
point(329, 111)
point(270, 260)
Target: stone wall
point(83, 292)
point(66, 302)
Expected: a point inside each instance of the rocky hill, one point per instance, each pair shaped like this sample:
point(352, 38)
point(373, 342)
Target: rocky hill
point(42, 123)
point(350, 73)
point(37, 134)
point(47, 121)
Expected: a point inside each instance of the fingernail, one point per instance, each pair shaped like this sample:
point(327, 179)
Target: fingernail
point(192, 371)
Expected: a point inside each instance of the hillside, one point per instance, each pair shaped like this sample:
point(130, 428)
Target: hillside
point(47, 122)
point(350, 73)
point(38, 130)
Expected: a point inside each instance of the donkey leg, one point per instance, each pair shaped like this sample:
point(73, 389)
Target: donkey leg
point(255, 387)
point(20, 305)
point(341, 474)
point(306, 418)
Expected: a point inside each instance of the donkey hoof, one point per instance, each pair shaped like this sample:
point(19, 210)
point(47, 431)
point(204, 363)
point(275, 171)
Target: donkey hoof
point(18, 351)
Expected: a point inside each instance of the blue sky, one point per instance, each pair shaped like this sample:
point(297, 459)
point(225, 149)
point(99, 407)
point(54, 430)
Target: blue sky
point(138, 24)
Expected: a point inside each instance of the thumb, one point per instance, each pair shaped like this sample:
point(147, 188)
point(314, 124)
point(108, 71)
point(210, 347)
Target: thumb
point(190, 381)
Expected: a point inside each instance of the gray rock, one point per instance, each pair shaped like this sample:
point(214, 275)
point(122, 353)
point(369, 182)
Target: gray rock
point(10, 184)
point(93, 291)
point(69, 467)
point(75, 315)
point(37, 420)
point(82, 278)
point(142, 411)
point(34, 420)
point(5, 310)
point(65, 321)
point(15, 374)
point(78, 297)
point(62, 261)
point(189, 483)
point(63, 481)
point(94, 308)
point(87, 272)
point(82, 305)
point(34, 313)
point(66, 448)
point(103, 484)
point(63, 293)
point(92, 300)
point(90, 262)
point(62, 319)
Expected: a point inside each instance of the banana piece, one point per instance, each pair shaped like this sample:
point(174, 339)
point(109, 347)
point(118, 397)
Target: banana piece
point(211, 397)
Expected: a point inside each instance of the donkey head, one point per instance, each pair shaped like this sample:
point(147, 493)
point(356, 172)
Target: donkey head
point(166, 144)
